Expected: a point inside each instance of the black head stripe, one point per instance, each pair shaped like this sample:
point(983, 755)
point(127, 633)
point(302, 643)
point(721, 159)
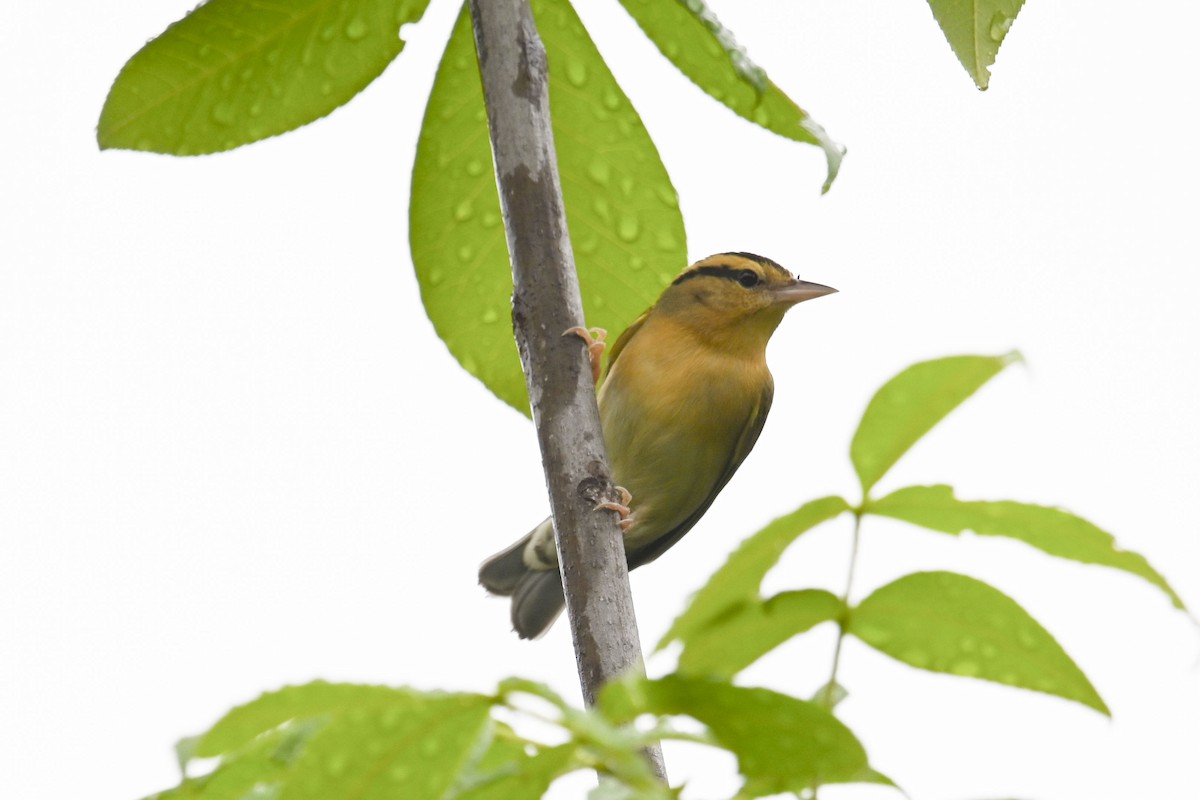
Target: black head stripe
point(762, 260)
point(729, 273)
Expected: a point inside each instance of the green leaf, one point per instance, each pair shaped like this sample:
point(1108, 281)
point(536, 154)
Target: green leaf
point(511, 773)
point(512, 768)
point(735, 640)
point(945, 622)
point(737, 582)
point(236, 71)
point(1050, 530)
point(782, 744)
point(414, 746)
point(613, 749)
point(694, 40)
point(334, 740)
point(910, 404)
point(316, 700)
point(254, 772)
point(829, 695)
point(626, 229)
point(975, 30)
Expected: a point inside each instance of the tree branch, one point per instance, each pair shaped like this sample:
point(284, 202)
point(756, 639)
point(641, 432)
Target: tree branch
point(546, 303)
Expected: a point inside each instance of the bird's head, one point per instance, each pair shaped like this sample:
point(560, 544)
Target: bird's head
point(736, 298)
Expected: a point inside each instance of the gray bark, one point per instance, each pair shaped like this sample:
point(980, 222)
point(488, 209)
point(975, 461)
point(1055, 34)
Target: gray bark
point(546, 302)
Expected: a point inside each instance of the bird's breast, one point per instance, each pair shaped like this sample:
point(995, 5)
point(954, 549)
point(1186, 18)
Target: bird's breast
point(672, 419)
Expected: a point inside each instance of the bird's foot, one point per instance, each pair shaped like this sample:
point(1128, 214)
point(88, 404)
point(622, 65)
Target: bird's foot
point(622, 508)
point(594, 339)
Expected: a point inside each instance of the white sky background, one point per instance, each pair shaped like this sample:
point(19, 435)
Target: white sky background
point(234, 455)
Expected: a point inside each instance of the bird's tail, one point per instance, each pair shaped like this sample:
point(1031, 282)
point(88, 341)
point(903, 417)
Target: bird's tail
point(537, 594)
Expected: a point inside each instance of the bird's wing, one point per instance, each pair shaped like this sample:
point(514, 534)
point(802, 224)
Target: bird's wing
point(751, 428)
point(624, 338)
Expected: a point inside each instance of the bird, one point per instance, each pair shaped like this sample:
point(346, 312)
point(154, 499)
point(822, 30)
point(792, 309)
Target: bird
point(683, 401)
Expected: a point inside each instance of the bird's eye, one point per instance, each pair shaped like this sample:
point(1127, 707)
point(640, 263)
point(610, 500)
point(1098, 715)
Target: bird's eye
point(748, 278)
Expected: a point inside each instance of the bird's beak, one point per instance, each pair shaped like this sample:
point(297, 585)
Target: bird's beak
point(799, 291)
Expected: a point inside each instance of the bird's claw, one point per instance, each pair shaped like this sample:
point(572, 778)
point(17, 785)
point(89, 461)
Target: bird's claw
point(594, 339)
point(622, 508)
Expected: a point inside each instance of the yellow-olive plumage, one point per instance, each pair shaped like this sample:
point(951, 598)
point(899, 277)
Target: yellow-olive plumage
point(686, 394)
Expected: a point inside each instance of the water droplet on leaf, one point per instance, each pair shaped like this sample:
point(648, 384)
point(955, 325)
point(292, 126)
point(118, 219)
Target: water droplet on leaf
point(600, 172)
point(1001, 22)
point(628, 228)
point(600, 206)
point(576, 72)
point(223, 113)
point(356, 29)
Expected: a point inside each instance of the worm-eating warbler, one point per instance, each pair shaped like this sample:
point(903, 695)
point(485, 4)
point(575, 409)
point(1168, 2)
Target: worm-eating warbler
point(683, 402)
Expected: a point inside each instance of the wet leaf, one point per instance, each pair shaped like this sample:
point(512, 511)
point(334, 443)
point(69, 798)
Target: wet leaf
point(975, 31)
point(334, 740)
point(782, 743)
point(737, 582)
point(950, 623)
point(1051, 530)
point(693, 39)
point(236, 71)
point(734, 641)
point(509, 771)
point(910, 404)
point(626, 229)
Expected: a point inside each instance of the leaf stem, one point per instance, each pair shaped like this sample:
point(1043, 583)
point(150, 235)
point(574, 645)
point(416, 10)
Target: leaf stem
point(826, 697)
point(828, 700)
